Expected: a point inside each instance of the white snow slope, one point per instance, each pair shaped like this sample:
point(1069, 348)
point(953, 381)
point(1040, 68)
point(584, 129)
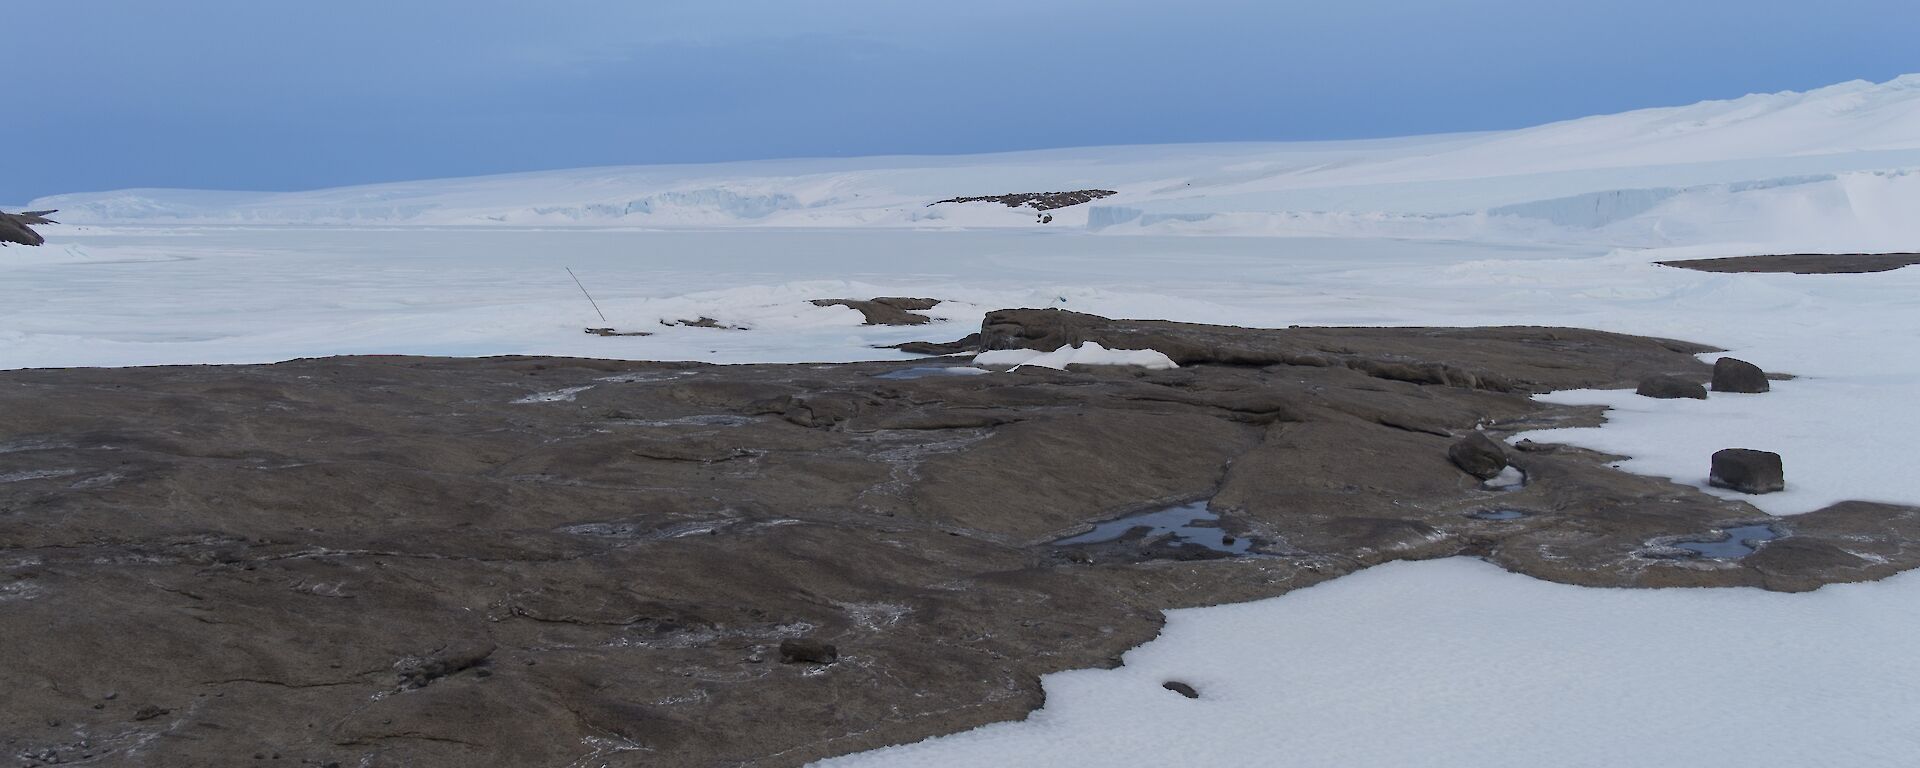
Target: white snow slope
point(1446, 663)
point(1836, 156)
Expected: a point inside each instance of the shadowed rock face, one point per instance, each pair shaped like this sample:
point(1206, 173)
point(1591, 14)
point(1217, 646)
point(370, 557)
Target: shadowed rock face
point(443, 562)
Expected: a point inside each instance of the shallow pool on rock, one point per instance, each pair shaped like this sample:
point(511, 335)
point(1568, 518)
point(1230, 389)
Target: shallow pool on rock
point(1186, 524)
point(1740, 541)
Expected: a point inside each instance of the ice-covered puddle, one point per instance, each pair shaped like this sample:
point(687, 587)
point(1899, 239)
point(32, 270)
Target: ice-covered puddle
point(1738, 541)
point(1498, 514)
point(1187, 524)
point(929, 371)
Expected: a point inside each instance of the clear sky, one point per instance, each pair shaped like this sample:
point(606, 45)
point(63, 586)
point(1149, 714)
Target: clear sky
point(266, 94)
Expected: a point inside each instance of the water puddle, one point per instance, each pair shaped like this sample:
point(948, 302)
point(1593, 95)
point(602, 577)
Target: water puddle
point(1499, 514)
point(1740, 541)
point(1187, 524)
point(927, 371)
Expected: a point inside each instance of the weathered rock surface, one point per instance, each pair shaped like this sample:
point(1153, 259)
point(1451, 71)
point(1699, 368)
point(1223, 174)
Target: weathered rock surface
point(885, 310)
point(1527, 358)
point(1748, 471)
point(1671, 388)
point(1803, 263)
point(908, 303)
point(1478, 455)
point(1039, 201)
point(970, 343)
point(1735, 375)
point(442, 562)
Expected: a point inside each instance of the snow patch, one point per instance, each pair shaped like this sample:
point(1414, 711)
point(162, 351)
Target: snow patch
point(1089, 353)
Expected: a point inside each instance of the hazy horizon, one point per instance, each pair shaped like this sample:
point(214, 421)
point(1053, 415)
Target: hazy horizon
point(226, 94)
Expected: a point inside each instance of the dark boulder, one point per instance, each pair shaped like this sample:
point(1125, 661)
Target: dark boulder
point(1181, 688)
point(1670, 388)
point(1748, 471)
point(1479, 455)
point(806, 651)
point(1733, 375)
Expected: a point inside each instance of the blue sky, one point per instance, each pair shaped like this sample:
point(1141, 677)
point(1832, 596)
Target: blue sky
point(252, 94)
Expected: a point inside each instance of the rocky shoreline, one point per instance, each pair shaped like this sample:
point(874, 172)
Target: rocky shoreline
point(541, 561)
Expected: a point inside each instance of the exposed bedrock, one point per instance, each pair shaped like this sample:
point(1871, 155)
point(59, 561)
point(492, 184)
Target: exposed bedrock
point(1803, 263)
point(440, 562)
point(886, 310)
point(1039, 201)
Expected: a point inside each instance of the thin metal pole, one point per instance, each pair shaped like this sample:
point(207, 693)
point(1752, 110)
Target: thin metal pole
point(583, 292)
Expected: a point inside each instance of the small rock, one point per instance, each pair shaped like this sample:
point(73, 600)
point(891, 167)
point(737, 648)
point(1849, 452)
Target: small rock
point(149, 712)
point(1479, 455)
point(807, 651)
point(1181, 688)
point(1733, 375)
point(1748, 471)
point(1671, 388)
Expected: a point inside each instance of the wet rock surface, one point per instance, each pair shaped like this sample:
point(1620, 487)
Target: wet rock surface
point(447, 562)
